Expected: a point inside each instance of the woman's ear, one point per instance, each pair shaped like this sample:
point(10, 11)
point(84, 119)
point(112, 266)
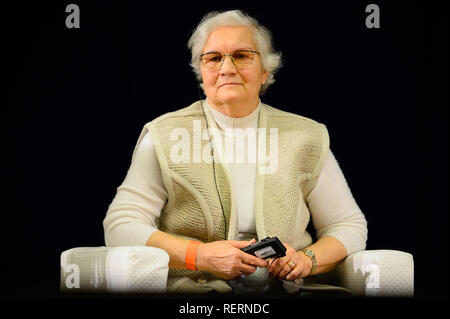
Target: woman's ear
point(265, 76)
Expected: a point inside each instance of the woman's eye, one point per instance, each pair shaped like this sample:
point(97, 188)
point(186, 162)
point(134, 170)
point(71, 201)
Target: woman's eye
point(239, 56)
point(216, 58)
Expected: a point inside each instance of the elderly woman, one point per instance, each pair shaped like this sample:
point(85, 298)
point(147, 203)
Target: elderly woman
point(202, 209)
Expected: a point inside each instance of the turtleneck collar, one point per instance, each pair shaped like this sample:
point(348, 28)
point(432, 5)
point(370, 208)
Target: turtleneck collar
point(224, 121)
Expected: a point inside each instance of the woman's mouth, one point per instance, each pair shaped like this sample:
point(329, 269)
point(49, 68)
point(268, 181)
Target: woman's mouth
point(231, 84)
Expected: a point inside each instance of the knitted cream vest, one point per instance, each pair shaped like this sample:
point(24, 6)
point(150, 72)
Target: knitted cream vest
point(193, 209)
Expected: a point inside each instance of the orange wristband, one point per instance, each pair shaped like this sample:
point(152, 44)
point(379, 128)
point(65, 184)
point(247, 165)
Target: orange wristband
point(191, 254)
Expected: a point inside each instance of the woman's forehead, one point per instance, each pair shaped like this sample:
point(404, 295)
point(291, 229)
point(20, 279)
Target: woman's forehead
point(229, 38)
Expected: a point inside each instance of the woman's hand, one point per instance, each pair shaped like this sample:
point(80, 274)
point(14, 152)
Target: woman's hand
point(290, 267)
point(226, 260)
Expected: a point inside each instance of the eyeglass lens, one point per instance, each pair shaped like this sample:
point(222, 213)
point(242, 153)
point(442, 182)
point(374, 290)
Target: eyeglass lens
point(239, 58)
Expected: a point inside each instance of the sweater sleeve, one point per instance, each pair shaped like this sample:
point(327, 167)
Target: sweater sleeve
point(132, 216)
point(333, 209)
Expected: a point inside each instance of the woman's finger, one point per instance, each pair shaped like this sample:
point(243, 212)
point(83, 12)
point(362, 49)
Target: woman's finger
point(247, 269)
point(253, 260)
point(298, 270)
point(286, 269)
point(241, 243)
point(273, 266)
point(279, 264)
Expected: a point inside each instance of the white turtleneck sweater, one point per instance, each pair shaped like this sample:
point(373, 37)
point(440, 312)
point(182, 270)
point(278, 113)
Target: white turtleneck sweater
point(133, 215)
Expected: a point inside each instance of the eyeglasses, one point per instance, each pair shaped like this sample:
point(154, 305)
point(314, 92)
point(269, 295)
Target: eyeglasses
point(240, 58)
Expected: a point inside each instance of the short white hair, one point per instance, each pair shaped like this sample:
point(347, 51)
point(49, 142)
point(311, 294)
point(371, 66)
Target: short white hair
point(271, 60)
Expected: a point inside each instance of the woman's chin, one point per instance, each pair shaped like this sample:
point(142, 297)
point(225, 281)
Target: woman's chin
point(232, 97)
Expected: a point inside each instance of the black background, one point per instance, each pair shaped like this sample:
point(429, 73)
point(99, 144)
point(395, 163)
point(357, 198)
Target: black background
point(77, 100)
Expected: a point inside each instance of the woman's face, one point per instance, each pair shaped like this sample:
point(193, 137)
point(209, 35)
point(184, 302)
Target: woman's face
point(231, 85)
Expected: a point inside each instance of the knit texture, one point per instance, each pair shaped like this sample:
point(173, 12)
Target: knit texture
point(303, 145)
point(192, 184)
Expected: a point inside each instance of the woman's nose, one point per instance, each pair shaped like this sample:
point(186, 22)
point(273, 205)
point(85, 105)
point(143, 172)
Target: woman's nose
point(227, 66)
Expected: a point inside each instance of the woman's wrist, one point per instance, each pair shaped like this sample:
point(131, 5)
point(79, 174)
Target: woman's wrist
point(307, 262)
point(200, 262)
point(191, 255)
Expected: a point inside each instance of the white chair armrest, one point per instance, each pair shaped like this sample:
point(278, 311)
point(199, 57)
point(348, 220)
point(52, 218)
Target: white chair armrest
point(384, 273)
point(114, 269)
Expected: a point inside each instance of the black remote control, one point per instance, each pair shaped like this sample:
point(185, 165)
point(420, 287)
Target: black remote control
point(266, 248)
